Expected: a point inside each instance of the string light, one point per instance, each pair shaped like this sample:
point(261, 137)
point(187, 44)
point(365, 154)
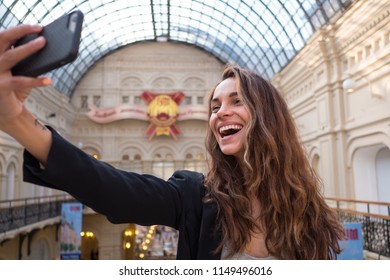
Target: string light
point(88, 234)
point(146, 241)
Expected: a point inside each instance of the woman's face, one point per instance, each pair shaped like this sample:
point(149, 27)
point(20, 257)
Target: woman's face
point(229, 118)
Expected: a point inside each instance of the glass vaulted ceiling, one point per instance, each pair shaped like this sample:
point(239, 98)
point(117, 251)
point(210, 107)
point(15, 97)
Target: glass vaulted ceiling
point(263, 35)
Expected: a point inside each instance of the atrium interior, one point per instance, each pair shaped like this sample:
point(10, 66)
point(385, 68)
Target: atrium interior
point(329, 58)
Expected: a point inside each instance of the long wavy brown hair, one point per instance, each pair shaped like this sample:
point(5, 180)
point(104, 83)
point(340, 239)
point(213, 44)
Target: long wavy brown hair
point(294, 218)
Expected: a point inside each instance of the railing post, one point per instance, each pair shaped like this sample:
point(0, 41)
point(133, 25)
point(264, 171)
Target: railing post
point(25, 212)
point(10, 219)
point(387, 236)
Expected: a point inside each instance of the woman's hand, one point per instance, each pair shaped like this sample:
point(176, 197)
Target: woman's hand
point(15, 119)
point(15, 89)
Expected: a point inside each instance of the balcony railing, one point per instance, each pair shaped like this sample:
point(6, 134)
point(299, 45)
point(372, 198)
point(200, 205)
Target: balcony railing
point(18, 213)
point(374, 217)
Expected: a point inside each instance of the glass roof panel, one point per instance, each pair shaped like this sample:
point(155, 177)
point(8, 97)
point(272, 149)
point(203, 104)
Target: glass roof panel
point(263, 35)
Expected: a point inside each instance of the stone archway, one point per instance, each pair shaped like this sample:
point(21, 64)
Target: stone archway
point(89, 246)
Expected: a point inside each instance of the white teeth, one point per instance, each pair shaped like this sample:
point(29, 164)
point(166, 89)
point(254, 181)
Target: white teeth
point(227, 127)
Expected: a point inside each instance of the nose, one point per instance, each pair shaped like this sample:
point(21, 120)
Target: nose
point(224, 110)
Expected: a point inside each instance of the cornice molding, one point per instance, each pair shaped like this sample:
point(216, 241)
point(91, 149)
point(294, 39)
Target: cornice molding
point(385, 15)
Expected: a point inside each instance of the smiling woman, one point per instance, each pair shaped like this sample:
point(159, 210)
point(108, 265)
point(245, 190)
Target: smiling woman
point(267, 195)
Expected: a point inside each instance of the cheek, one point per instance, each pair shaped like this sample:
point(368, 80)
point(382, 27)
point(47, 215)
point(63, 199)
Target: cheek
point(246, 115)
point(211, 123)
point(212, 126)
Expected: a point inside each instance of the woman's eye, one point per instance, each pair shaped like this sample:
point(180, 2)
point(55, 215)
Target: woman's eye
point(214, 108)
point(237, 101)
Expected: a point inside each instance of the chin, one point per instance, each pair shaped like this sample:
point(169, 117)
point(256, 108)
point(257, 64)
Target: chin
point(229, 152)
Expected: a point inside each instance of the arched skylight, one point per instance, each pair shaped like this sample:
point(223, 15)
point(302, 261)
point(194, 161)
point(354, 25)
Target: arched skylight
point(263, 35)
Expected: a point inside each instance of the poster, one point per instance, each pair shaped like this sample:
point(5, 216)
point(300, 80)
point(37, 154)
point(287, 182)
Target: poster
point(353, 245)
point(71, 223)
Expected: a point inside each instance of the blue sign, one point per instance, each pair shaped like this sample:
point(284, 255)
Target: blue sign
point(353, 245)
point(71, 224)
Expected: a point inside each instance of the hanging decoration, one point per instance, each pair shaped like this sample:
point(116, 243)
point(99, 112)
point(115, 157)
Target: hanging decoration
point(163, 111)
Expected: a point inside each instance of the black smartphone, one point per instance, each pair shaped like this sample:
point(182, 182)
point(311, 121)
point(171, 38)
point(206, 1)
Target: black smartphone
point(62, 45)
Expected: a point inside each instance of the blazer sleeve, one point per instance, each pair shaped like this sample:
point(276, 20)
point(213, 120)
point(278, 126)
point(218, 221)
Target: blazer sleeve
point(124, 197)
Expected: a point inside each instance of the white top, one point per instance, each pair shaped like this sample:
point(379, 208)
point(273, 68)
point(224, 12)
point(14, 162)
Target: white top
point(241, 256)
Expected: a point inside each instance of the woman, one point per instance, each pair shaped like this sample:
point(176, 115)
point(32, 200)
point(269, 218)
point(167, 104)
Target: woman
point(259, 200)
point(260, 178)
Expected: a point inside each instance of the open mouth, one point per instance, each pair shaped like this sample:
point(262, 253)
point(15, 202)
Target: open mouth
point(229, 130)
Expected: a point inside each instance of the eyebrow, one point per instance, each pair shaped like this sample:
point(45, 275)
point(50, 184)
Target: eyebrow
point(232, 94)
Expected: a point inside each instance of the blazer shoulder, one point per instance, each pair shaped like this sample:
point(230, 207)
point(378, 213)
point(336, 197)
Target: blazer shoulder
point(191, 186)
point(189, 179)
point(195, 177)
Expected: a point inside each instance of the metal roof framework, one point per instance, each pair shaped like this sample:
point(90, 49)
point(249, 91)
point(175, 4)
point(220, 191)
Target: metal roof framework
point(262, 35)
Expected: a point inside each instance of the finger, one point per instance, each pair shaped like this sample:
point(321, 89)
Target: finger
point(20, 83)
point(23, 94)
point(9, 36)
point(12, 56)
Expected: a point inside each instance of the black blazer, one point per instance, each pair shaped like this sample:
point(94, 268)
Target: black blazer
point(126, 197)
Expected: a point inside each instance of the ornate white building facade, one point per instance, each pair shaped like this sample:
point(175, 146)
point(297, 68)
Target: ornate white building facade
point(338, 89)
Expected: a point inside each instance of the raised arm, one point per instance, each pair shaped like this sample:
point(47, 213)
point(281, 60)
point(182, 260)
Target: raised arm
point(15, 119)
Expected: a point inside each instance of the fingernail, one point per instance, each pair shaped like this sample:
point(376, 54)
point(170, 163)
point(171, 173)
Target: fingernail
point(39, 40)
point(36, 27)
point(46, 81)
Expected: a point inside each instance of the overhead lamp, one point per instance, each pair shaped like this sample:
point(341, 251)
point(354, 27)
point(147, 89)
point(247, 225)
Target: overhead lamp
point(349, 85)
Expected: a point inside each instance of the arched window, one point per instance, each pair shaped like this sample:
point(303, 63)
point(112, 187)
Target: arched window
point(316, 164)
point(163, 167)
point(10, 189)
point(382, 163)
point(370, 171)
point(137, 157)
point(195, 163)
point(40, 250)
